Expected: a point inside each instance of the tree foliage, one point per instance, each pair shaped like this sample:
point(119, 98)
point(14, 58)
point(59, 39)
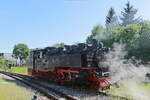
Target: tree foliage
point(21, 51)
point(130, 34)
point(58, 45)
point(133, 32)
point(142, 48)
point(111, 18)
point(95, 31)
point(136, 37)
point(128, 15)
point(2, 61)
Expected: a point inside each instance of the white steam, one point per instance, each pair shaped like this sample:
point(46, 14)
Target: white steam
point(103, 34)
point(128, 73)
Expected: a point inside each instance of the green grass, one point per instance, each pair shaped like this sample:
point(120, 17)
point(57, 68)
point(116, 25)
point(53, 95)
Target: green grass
point(124, 91)
point(1, 80)
point(11, 91)
point(146, 86)
point(23, 70)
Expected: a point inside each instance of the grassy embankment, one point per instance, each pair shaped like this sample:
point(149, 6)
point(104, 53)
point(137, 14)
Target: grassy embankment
point(22, 70)
point(11, 90)
point(123, 91)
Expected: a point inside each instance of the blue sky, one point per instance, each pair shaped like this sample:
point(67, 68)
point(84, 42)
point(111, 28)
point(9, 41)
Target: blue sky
point(41, 23)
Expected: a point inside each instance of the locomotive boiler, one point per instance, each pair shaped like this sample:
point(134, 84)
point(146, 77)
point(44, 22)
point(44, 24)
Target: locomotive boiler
point(72, 64)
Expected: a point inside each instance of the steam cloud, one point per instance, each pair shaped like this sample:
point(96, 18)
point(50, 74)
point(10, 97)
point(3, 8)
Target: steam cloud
point(128, 73)
point(103, 34)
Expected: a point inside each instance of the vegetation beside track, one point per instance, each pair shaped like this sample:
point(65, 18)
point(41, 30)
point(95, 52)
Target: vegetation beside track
point(22, 70)
point(10, 90)
point(125, 92)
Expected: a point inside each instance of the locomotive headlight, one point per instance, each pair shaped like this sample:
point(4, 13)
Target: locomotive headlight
point(76, 76)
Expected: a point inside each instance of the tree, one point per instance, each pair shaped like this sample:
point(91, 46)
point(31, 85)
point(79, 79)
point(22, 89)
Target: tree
point(58, 45)
point(133, 32)
point(144, 46)
point(21, 51)
point(130, 34)
point(128, 16)
point(111, 18)
point(95, 31)
point(111, 35)
point(1, 62)
point(142, 49)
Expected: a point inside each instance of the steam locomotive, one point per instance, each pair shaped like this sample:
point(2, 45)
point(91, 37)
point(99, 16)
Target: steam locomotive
point(72, 64)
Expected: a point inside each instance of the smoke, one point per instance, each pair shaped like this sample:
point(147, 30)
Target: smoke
point(129, 73)
point(103, 34)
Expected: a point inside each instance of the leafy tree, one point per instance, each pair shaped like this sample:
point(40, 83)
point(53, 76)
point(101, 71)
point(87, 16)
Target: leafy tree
point(1, 54)
point(58, 45)
point(32, 49)
point(142, 48)
point(130, 34)
point(135, 33)
point(95, 31)
point(128, 16)
point(145, 26)
point(1, 62)
point(112, 36)
point(111, 18)
point(21, 51)
point(89, 39)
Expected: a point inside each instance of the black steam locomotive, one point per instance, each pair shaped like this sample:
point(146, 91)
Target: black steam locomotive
point(71, 64)
point(81, 55)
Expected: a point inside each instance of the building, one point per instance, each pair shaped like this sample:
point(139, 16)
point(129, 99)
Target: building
point(9, 57)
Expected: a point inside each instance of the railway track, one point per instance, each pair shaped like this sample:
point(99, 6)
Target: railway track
point(49, 92)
